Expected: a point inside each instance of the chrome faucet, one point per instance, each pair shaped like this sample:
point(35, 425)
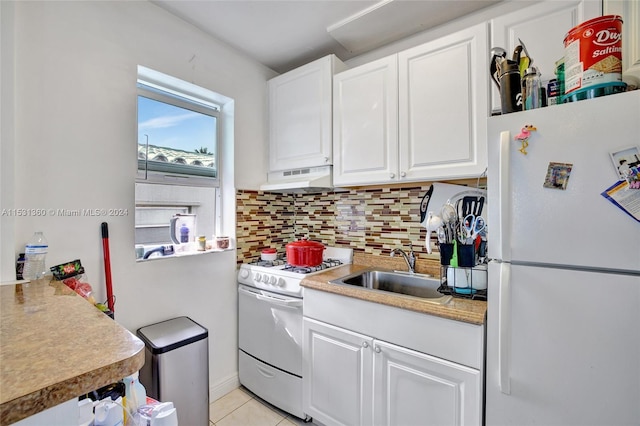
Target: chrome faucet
point(410, 259)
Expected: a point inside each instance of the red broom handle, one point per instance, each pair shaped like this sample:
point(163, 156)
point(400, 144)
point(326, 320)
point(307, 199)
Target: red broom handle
point(107, 265)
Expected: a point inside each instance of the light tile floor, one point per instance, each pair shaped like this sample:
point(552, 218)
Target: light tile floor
point(242, 408)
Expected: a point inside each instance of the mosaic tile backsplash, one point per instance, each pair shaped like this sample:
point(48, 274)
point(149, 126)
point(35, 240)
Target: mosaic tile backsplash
point(372, 221)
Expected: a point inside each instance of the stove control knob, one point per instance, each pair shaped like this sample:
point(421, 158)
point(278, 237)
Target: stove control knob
point(244, 273)
point(273, 281)
point(265, 278)
point(258, 276)
point(280, 282)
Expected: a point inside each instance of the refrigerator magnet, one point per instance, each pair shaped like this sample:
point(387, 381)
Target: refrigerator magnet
point(523, 137)
point(558, 175)
point(626, 162)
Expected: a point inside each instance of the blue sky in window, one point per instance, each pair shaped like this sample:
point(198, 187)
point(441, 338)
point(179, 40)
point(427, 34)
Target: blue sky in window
point(174, 127)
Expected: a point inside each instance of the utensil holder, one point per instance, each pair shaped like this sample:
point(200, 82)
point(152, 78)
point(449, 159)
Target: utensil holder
point(446, 252)
point(466, 255)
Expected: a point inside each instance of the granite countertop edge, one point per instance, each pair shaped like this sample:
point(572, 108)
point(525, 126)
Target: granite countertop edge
point(79, 374)
point(58, 393)
point(458, 309)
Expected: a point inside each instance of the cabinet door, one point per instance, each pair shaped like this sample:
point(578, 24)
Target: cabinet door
point(630, 12)
point(337, 375)
point(365, 123)
point(412, 388)
point(443, 98)
point(300, 116)
point(542, 28)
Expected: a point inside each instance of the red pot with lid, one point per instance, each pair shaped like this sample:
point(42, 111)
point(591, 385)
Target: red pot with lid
point(304, 253)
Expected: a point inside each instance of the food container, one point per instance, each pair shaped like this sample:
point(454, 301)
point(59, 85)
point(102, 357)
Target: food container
point(304, 253)
point(222, 242)
point(593, 59)
point(269, 254)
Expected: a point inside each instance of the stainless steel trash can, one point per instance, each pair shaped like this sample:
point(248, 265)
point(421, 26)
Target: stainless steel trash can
point(176, 367)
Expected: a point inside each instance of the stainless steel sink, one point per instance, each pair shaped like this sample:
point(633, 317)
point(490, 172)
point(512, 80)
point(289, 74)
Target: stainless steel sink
point(416, 285)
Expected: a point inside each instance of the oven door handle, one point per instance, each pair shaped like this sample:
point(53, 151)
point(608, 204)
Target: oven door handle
point(292, 303)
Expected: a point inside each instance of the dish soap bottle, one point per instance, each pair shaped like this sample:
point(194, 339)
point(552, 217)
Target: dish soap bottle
point(35, 255)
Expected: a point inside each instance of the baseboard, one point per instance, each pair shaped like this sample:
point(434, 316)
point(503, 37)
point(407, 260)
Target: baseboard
point(223, 387)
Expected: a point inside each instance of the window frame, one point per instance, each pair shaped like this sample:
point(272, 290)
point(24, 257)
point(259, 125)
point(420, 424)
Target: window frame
point(174, 173)
point(171, 90)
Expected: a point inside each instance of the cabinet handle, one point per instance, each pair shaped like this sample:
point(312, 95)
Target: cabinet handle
point(365, 344)
point(377, 349)
point(403, 174)
point(326, 159)
point(392, 175)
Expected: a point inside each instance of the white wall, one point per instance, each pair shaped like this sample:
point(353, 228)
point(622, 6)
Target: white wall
point(69, 130)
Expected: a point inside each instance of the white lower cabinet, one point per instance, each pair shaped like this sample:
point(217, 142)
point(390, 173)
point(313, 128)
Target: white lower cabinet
point(412, 388)
point(354, 379)
point(337, 375)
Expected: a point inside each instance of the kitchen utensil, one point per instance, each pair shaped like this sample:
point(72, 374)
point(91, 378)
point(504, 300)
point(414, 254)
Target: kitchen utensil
point(449, 218)
point(526, 52)
point(525, 61)
point(470, 227)
point(472, 205)
point(516, 54)
point(107, 267)
point(433, 223)
point(498, 54)
point(304, 253)
point(454, 254)
point(424, 204)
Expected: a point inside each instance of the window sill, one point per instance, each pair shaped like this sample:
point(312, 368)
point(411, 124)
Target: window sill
point(184, 254)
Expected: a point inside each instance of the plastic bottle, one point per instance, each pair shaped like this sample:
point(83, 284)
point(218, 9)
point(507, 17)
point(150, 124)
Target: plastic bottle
point(35, 256)
point(135, 394)
point(20, 266)
point(531, 89)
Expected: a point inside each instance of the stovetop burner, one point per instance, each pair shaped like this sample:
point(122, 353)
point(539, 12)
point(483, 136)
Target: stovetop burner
point(282, 265)
point(327, 263)
point(268, 263)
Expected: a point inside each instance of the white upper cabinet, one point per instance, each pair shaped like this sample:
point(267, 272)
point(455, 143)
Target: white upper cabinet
point(365, 123)
point(443, 100)
point(300, 107)
point(542, 27)
point(416, 115)
point(630, 12)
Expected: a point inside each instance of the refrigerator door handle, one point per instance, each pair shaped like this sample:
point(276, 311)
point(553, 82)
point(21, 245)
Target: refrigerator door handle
point(504, 194)
point(504, 328)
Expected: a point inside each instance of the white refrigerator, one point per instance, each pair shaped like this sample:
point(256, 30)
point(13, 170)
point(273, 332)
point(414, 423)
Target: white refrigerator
point(563, 321)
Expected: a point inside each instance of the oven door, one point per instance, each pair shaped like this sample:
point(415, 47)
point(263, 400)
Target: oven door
point(270, 328)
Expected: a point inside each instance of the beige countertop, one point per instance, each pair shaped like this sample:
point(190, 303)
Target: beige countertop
point(466, 310)
point(55, 346)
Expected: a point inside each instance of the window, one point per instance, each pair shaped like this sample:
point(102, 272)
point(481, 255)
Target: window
point(177, 155)
point(177, 137)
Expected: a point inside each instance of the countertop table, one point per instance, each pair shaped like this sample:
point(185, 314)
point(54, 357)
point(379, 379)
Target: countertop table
point(466, 310)
point(56, 346)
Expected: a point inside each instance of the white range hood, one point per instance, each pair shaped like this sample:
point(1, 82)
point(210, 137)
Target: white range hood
point(306, 180)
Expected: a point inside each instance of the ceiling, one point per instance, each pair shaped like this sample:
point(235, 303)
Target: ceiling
point(284, 34)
